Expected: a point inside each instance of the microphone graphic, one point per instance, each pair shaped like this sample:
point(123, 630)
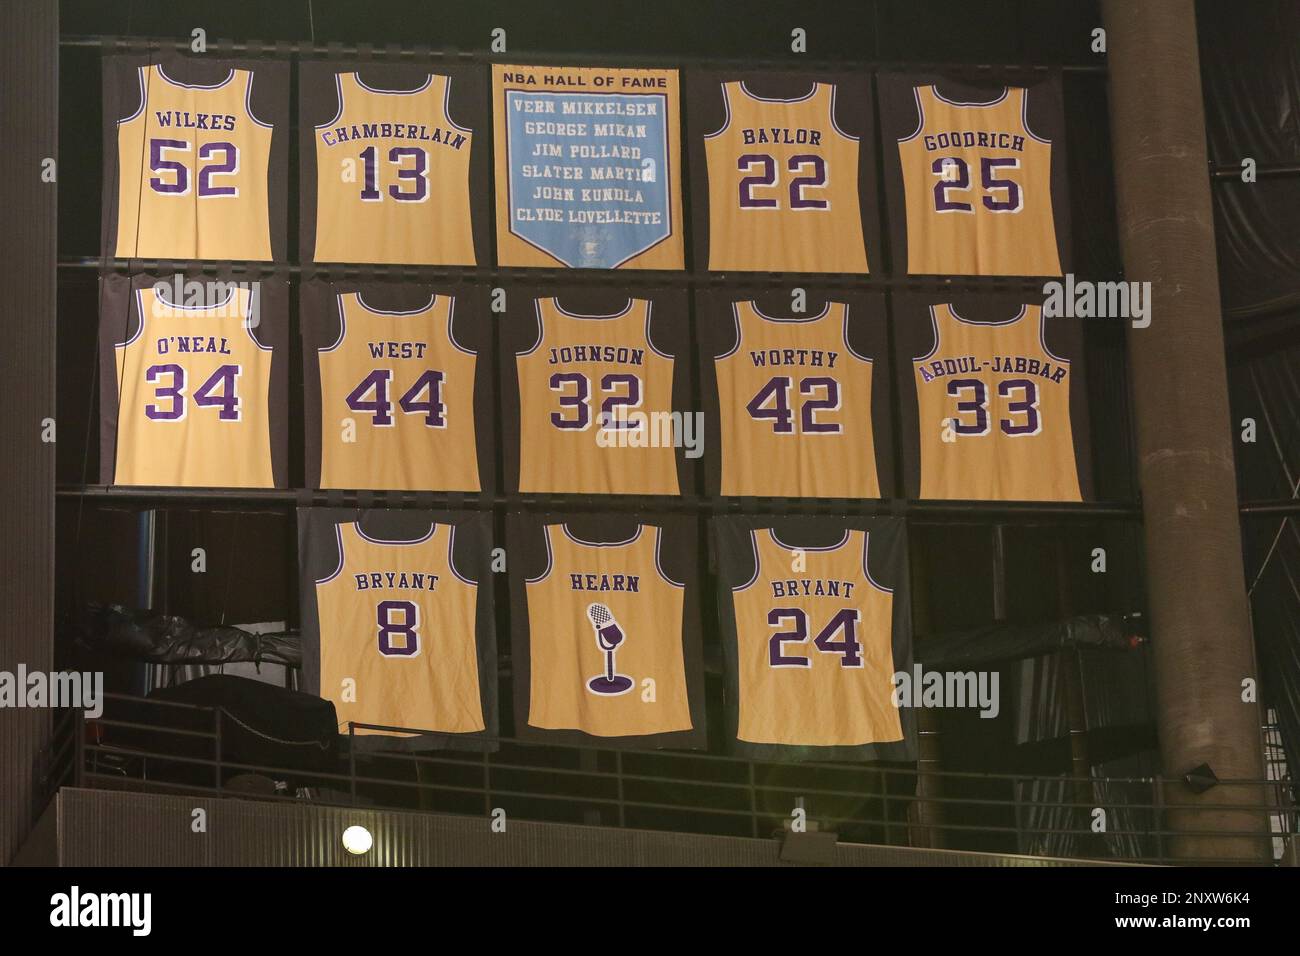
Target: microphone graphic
point(608, 638)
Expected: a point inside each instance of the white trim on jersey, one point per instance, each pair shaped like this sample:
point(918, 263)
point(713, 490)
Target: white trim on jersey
point(451, 336)
point(834, 125)
point(555, 304)
point(1042, 338)
point(934, 91)
point(779, 99)
point(541, 329)
point(866, 546)
point(416, 311)
point(139, 313)
point(248, 327)
point(451, 559)
point(753, 544)
point(550, 557)
point(248, 104)
point(600, 544)
point(857, 355)
point(726, 119)
point(343, 323)
point(649, 308)
point(920, 116)
point(194, 86)
point(356, 78)
point(659, 541)
point(356, 526)
point(338, 536)
point(792, 320)
point(338, 86)
point(1000, 322)
point(446, 108)
point(1024, 117)
point(144, 95)
point(771, 533)
point(934, 327)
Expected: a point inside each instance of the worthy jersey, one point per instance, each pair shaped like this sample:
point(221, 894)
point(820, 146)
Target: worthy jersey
point(994, 412)
point(978, 187)
point(814, 647)
point(193, 388)
point(192, 172)
point(397, 634)
point(605, 639)
point(397, 401)
point(783, 186)
point(408, 199)
point(795, 407)
point(595, 398)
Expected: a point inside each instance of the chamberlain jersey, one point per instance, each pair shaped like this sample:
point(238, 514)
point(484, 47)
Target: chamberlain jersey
point(994, 407)
point(604, 620)
point(978, 187)
point(795, 406)
point(595, 399)
point(193, 163)
point(408, 200)
point(397, 400)
point(193, 395)
point(783, 186)
point(814, 647)
point(397, 634)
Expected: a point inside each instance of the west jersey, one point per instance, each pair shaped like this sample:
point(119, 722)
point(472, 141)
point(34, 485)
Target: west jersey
point(978, 187)
point(814, 647)
point(193, 388)
point(193, 163)
point(594, 401)
point(994, 412)
point(795, 408)
point(397, 634)
point(783, 186)
point(408, 201)
point(604, 620)
point(397, 400)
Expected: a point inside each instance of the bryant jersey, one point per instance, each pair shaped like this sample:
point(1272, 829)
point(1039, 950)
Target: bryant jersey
point(398, 622)
point(602, 620)
point(795, 406)
point(978, 186)
point(407, 387)
point(593, 393)
point(814, 647)
point(783, 186)
point(192, 172)
point(409, 199)
point(193, 396)
point(994, 408)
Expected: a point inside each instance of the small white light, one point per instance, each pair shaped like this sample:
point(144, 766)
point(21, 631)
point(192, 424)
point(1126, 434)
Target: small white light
point(356, 840)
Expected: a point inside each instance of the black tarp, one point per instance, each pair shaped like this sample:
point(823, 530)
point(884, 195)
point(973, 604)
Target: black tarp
point(169, 639)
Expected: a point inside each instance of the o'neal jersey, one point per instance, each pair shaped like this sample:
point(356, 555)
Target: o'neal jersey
point(783, 186)
point(978, 187)
point(794, 402)
point(994, 412)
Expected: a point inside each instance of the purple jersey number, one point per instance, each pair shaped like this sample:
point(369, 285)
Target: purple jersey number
point(228, 164)
point(978, 405)
point(773, 403)
point(623, 391)
point(219, 391)
point(613, 410)
point(424, 396)
point(415, 175)
point(406, 627)
point(810, 170)
point(954, 174)
point(174, 175)
point(848, 648)
point(1027, 406)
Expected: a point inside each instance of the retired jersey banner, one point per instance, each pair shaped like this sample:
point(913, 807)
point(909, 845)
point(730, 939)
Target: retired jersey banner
point(587, 171)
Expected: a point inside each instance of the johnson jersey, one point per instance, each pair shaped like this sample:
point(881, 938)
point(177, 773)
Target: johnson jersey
point(193, 164)
point(408, 201)
point(994, 412)
point(594, 400)
point(814, 656)
point(605, 638)
point(397, 400)
point(783, 186)
point(193, 395)
point(978, 187)
point(795, 408)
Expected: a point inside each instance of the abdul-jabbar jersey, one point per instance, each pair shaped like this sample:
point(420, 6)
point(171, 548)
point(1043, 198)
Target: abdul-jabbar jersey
point(193, 163)
point(814, 655)
point(397, 400)
point(795, 408)
point(407, 199)
point(783, 186)
point(994, 412)
point(978, 187)
point(594, 396)
point(605, 638)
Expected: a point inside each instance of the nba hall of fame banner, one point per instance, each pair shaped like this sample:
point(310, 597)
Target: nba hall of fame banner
point(587, 167)
point(398, 625)
point(606, 630)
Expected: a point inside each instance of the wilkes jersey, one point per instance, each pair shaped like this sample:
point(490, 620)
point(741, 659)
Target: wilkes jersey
point(408, 200)
point(994, 412)
point(193, 165)
point(795, 408)
point(783, 186)
point(605, 638)
point(978, 187)
point(595, 399)
point(397, 400)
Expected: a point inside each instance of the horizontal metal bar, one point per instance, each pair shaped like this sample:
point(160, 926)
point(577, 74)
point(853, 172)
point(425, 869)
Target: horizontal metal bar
point(1285, 506)
point(1221, 171)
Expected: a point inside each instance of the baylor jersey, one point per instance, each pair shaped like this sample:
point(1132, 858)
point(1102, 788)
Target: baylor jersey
point(814, 647)
point(397, 623)
point(1002, 401)
point(592, 393)
point(407, 386)
point(602, 619)
point(795, 407)
point(192, 172)
point(783, 186)
point(978, 188)
point(409, 199)
point(193, 392)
